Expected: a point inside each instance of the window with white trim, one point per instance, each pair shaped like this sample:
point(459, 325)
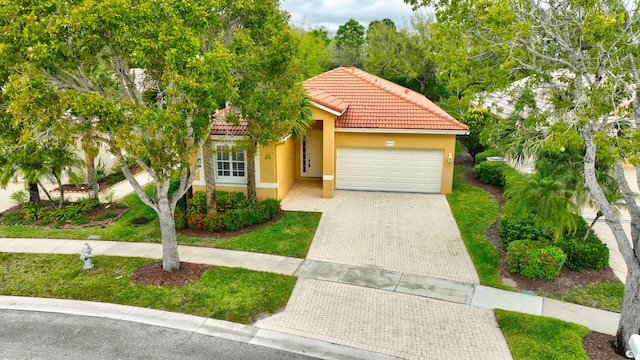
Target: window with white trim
point(230, 163)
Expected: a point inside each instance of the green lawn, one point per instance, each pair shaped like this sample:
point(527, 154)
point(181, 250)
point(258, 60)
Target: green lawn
point(474, 212)
point(601, 295)
point(289, 236)
point(231, 294)
point(536, 337)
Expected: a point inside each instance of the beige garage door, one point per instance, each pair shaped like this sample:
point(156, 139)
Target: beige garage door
point(402, 170)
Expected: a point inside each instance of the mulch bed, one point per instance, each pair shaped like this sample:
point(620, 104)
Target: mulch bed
point(153, 275)
point(598, 346)
point(117, 209)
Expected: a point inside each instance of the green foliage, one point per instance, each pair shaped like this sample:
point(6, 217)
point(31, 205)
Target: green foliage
point(226, 200)
point(476, 119)
point(19, 197)
point(235, 212)
point(81, 220)
point(601, 295)
point(105, 216)
point(538, 337)
point(490, 172)
point(535, 259)
point(513, 228)
point(11, 219)
point(474, 212)
point(198, 203)
point(33, 212)
point(230, 294)
point(482, 156)
point(585, 254)
point(180, 220)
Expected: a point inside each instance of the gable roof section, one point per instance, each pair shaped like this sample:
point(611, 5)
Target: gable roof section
point(376, 103)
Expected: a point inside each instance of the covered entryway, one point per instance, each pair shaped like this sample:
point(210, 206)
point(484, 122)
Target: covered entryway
point(401, 170)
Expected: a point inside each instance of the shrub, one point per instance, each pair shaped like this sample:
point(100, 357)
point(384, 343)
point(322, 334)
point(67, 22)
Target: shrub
point(180, 220)
point(198, 203)
point(66, 213)
point(226, 201)
point(209, 222)
point(33, 212)
point(11, 218)
point(105, 216)
point(482, 156)
point(513, 228)
point(87, 203)
point(80, 220)
point(585, 254)
point(19, 197)
point(234, 219)
point(535, 259)
point(490, 172)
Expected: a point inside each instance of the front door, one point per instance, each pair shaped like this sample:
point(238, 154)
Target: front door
point(311, 154)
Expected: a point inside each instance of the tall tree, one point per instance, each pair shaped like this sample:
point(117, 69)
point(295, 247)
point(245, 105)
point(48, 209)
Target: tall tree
point(269, 101)
point(313, 47)
point(582, 56)
point(149, 74)
point(348, 44)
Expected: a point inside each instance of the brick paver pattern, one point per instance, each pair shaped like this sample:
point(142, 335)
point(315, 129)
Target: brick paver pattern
point(411, 233)
point(401, 325)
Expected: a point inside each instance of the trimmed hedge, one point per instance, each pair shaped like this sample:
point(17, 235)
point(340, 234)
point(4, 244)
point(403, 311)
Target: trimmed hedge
point(234, 219)
point(491, 172)
point(589, 254)
point(482, 156)
point(585, 254)
point(513, 228)
point(534, 259)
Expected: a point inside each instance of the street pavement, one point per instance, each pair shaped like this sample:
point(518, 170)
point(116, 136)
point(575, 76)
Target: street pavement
point(40, 335)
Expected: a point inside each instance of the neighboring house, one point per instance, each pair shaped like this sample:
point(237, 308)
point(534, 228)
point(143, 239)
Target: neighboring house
point(369, 134)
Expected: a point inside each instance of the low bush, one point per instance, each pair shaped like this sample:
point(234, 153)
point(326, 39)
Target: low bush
point(209, 222)
point(585, 254)
point(234, 219)
point(105, 216)
point(32, 212)
point(482, 156)
point(226, 200)
point(180, 220)
point(198, 203)
point(11, 219)
point(490, 172)
point(535, 259)
point(513, 228)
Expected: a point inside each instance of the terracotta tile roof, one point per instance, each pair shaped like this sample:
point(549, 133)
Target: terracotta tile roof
point(376, 103)
point(221, 127)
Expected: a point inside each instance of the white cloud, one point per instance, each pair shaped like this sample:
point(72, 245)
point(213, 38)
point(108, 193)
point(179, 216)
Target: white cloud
point(333, 13)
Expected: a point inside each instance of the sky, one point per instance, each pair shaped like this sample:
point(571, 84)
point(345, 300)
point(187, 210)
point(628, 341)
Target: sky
point(330, 14)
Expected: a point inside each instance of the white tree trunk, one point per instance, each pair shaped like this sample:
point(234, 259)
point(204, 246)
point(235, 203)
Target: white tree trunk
point(630, 315)
point(170, 257)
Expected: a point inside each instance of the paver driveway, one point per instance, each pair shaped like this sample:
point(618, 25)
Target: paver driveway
point(409, 233)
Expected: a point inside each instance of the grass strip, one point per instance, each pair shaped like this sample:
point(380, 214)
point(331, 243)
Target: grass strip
point(601, 295)
point(474, 212)
point(231, 294)
point(536, 337)
point(289, 236)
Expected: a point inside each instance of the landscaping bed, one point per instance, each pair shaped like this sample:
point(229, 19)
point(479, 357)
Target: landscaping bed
point(596, 345)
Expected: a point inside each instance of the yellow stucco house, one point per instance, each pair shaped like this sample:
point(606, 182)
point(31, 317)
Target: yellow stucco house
point(369, 134)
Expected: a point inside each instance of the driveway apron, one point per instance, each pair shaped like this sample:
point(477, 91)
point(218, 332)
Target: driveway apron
point(408, 233)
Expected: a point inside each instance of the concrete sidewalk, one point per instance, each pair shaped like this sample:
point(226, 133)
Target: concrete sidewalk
point(449, 291)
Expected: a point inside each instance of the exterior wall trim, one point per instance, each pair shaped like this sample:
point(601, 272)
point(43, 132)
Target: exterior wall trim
point(402, 131)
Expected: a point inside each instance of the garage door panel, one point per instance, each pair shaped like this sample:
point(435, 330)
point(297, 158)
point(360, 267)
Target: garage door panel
point(407, 170)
